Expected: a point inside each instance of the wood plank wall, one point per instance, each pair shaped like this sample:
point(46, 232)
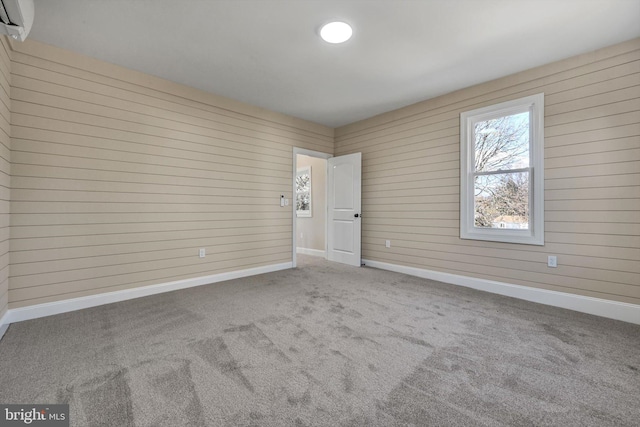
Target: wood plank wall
point(119, 177)
point(592, 180)
point(5, 170)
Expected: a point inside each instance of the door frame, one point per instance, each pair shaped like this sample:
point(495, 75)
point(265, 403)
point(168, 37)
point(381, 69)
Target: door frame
point(310, 153)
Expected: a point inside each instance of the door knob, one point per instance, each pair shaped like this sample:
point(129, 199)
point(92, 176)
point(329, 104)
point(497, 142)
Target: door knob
point(356, 216)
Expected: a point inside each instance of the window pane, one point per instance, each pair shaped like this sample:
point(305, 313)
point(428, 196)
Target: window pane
point(502, 201)
point(303, 182)
point(303, 201)
point(502, 143)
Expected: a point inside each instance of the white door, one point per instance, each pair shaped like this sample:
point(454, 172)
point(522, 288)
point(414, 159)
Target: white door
point(344, 185)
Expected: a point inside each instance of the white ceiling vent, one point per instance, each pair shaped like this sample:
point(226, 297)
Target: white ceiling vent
point(16, 18)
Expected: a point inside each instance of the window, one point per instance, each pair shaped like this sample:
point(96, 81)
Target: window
point(502, 172)
point(303, 192)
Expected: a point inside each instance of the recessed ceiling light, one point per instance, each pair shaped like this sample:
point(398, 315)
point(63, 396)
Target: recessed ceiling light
point(336, 32)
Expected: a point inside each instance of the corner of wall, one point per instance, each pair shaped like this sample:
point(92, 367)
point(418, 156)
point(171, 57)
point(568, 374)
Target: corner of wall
point(211, 150)
point(590, 126)
point(6, 49)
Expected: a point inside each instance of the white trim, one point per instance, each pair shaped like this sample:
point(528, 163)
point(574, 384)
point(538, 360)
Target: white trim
point(4, 324)
point(313, 252)
point(535, 234)
point(596, 306)
point(64, 306)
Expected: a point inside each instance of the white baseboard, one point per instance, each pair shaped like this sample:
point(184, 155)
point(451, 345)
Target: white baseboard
point(64, 306)
point(596, 306)
point(313, 252)
point(4, 324)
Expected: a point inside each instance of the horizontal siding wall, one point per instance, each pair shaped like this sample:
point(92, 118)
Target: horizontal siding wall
point(411, 184)
point(5, 170)
point(120, 177)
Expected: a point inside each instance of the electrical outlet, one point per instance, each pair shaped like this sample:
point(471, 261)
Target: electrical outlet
point(552, 261)
point(387, 243)
point(286, 202)
point(202, 253)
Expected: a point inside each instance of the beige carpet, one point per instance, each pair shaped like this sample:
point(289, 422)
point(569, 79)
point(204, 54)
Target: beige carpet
point(328, 345)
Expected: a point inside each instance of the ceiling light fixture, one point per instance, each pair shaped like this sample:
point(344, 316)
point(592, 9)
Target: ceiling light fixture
point(336, 32)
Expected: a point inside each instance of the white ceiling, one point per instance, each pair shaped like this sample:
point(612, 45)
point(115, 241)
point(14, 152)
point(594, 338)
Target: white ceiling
point(268, 53)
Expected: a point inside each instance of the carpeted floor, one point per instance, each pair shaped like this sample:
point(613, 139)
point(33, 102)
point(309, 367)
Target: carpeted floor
point(329, 345)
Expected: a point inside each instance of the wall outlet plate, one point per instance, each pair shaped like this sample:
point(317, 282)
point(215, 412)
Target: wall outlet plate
point(387, 243)
point(202, 252)
point(552, 261)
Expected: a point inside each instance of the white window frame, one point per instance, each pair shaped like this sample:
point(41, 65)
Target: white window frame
point(535, 234)
point(305, 170)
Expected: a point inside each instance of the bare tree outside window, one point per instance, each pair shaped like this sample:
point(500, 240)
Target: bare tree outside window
point(303, 192)
point(504, 201)
point(501, 181)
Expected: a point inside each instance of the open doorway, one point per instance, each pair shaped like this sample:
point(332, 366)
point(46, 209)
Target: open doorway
point(310, 203)
point(340, 205)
